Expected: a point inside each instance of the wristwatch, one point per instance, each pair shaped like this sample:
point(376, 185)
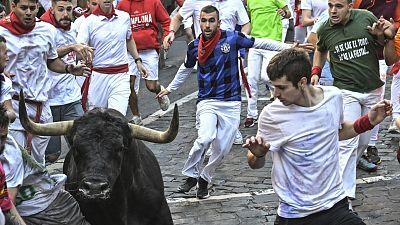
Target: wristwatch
point(138, 59)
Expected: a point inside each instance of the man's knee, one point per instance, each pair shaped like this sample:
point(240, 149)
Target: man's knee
point(152, 85)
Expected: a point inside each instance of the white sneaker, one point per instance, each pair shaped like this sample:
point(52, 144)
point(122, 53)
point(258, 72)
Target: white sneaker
point(393, 129)
point(238, 138)
point(209, 151)
point(136, 120)
point(164, 101)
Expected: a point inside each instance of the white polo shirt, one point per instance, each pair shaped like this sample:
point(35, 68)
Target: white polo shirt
point(28, 55)
point(231, 13)
point(76, 25)
point(6, 89)
point(108, 37)
point(65, 89)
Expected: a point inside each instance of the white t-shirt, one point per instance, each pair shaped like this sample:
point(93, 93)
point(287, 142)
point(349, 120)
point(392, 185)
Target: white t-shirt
point(38, 188)
point(65, 89)
point(28, 55)
point(321, 19)
point(304, 148)
point(6, 89)
point(317, 7)
point(232, 13)
point(110, 47)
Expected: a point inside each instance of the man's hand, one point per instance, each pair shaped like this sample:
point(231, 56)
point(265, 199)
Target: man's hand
point(390, 28)
point(8, 74)
point(379, 112)
point(162, 93)
point(314, 79)
point(85, 52)
point(256, 146)
point(168, 40)
point(377, 28)
point(79, 70)
point(281, 12)
point(142, 70)
point(309, 47)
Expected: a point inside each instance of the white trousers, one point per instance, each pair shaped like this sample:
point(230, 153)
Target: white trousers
point(395, 95)
point(383, 70)
point(109, 91)
point(217, 122)
point(38, 143)
point(355, 105)
point(257, 62)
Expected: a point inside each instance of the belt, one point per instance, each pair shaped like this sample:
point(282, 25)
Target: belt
point(112, 69)
point(39, 109)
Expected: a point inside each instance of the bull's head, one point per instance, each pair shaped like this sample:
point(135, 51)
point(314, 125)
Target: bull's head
point(99, 140)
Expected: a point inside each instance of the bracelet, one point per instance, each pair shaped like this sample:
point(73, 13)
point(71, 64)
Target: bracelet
point(362, 124)
point(172, 31)
point(66, 68)
point(316, 70)
point(138, 59)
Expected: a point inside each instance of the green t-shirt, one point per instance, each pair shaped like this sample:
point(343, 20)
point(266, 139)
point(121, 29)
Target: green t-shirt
point(265, 21)
point(352, 50)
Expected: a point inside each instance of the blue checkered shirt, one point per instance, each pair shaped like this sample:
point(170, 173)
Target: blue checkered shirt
point(219, 77)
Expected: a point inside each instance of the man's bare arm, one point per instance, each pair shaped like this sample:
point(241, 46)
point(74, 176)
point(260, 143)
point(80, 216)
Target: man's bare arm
point(376, 115)
point(318, 61)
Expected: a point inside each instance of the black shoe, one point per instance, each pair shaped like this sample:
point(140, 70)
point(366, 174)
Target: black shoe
point(372, 154)
point(202, 192)
point(189, 184)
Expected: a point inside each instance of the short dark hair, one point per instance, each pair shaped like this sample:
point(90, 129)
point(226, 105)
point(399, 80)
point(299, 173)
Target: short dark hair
point(294, 63)
point(2, 8)
point(4, 120)
point(2, 39)
point(17, 1)
point(210, 9)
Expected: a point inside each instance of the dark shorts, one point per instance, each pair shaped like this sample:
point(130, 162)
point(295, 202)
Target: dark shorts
point(339, 214)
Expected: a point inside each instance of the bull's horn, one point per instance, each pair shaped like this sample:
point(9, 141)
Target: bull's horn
point(48, 129)
point(150, 135)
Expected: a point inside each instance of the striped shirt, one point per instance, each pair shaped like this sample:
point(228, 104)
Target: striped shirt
point(219, 77)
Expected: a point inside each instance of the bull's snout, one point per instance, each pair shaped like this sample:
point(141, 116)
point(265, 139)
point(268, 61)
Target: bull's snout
point(95, 189)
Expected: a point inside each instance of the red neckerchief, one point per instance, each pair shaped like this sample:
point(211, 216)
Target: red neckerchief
point(87, 14)
point(15, 26)
point(207, 47)
point(48, 17)
point(97, 11)
point(395, 69)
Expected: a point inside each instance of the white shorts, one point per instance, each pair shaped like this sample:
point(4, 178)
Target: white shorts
point(187, 23)
point(150, 61)
point(109, 91)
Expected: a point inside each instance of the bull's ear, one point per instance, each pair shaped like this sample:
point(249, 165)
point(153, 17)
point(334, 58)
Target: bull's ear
point(147, 134)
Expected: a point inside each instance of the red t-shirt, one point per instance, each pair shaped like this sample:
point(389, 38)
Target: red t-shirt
point(5, 199)
point(145, 16)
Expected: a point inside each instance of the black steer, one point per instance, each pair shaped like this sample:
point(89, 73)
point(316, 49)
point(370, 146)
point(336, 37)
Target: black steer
point(115, 178)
